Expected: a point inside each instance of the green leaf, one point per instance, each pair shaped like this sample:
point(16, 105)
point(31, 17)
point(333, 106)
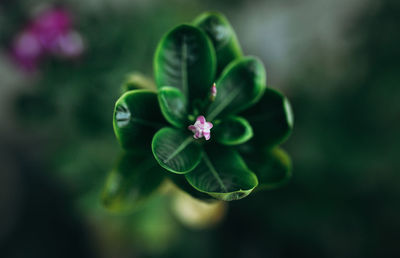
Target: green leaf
point(173, 106)
point(134, 179)
point(222, 35)
point(233, 130)
point(181, 182)
point(273, 167)
point(223, 175)
point(175, 150)
point(271, 119)
point(137, 81)
point(137, 117)
point(241, 84)
point(185, 59)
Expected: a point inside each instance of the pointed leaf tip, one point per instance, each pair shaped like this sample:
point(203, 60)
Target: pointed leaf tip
point(223, 175)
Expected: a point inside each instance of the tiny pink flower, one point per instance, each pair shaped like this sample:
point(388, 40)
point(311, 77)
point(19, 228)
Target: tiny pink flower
point(213, 91)
point(201, 128)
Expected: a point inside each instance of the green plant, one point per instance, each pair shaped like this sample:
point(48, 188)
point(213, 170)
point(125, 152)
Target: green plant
point(200, 75)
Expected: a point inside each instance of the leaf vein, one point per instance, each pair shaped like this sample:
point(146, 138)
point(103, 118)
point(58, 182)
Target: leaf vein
point(214, 172)
point(180, 148)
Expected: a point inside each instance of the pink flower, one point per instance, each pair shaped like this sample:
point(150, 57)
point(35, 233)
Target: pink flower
point(213, 91)
point(201, 128)
point(70, 44)
point(50, 32)
point(50, 25)
point(27, 50)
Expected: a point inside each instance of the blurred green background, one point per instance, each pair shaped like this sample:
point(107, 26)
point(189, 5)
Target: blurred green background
point(337, 61)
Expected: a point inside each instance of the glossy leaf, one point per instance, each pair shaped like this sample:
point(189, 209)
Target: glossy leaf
point(137, 117)
point(233, 130)
point(271, 119)
point(223, 175)
point(273, 167)
point(176, 151)
point(133, 180)
point(222, 35)
point(173, 106)
point(137, 81)
point(241, 84)
point(181, 182)
point(185, 59)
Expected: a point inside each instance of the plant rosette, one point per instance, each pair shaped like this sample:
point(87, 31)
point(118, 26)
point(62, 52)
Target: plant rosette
point(211, 122)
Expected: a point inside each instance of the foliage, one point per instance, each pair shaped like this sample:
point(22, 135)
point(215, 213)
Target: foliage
point(246, 119)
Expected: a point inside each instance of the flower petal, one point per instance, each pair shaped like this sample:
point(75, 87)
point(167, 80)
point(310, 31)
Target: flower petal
point(201, 119)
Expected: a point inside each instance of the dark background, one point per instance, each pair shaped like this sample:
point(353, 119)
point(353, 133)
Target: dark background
point(337, 61)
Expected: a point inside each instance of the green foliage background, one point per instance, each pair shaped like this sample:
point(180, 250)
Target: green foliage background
point(57, 142)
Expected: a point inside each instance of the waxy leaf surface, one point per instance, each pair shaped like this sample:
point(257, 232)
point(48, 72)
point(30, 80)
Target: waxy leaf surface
point(271, 119)
point(173, 106)
point(137, 117)
point(223, 174)
point(233, 130)
point(273, 167)
point(241, 84)
point(222, 35)
point(176, 150)
point(185, 59)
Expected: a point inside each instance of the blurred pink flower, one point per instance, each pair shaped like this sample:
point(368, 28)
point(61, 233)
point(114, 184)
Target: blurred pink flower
point(201, 128)
point(50, 25)
point(70, 44)
point(27, 50)
point(50, 32)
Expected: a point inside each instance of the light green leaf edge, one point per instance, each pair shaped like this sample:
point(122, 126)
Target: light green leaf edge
point(166, 111)
point(159, 47)
point(119, 102)
point(248, 134)
point(137, 81)
point(227, 196)
point(289, 117)
point(285, 159)
point(232, 44)
point(213, 114)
